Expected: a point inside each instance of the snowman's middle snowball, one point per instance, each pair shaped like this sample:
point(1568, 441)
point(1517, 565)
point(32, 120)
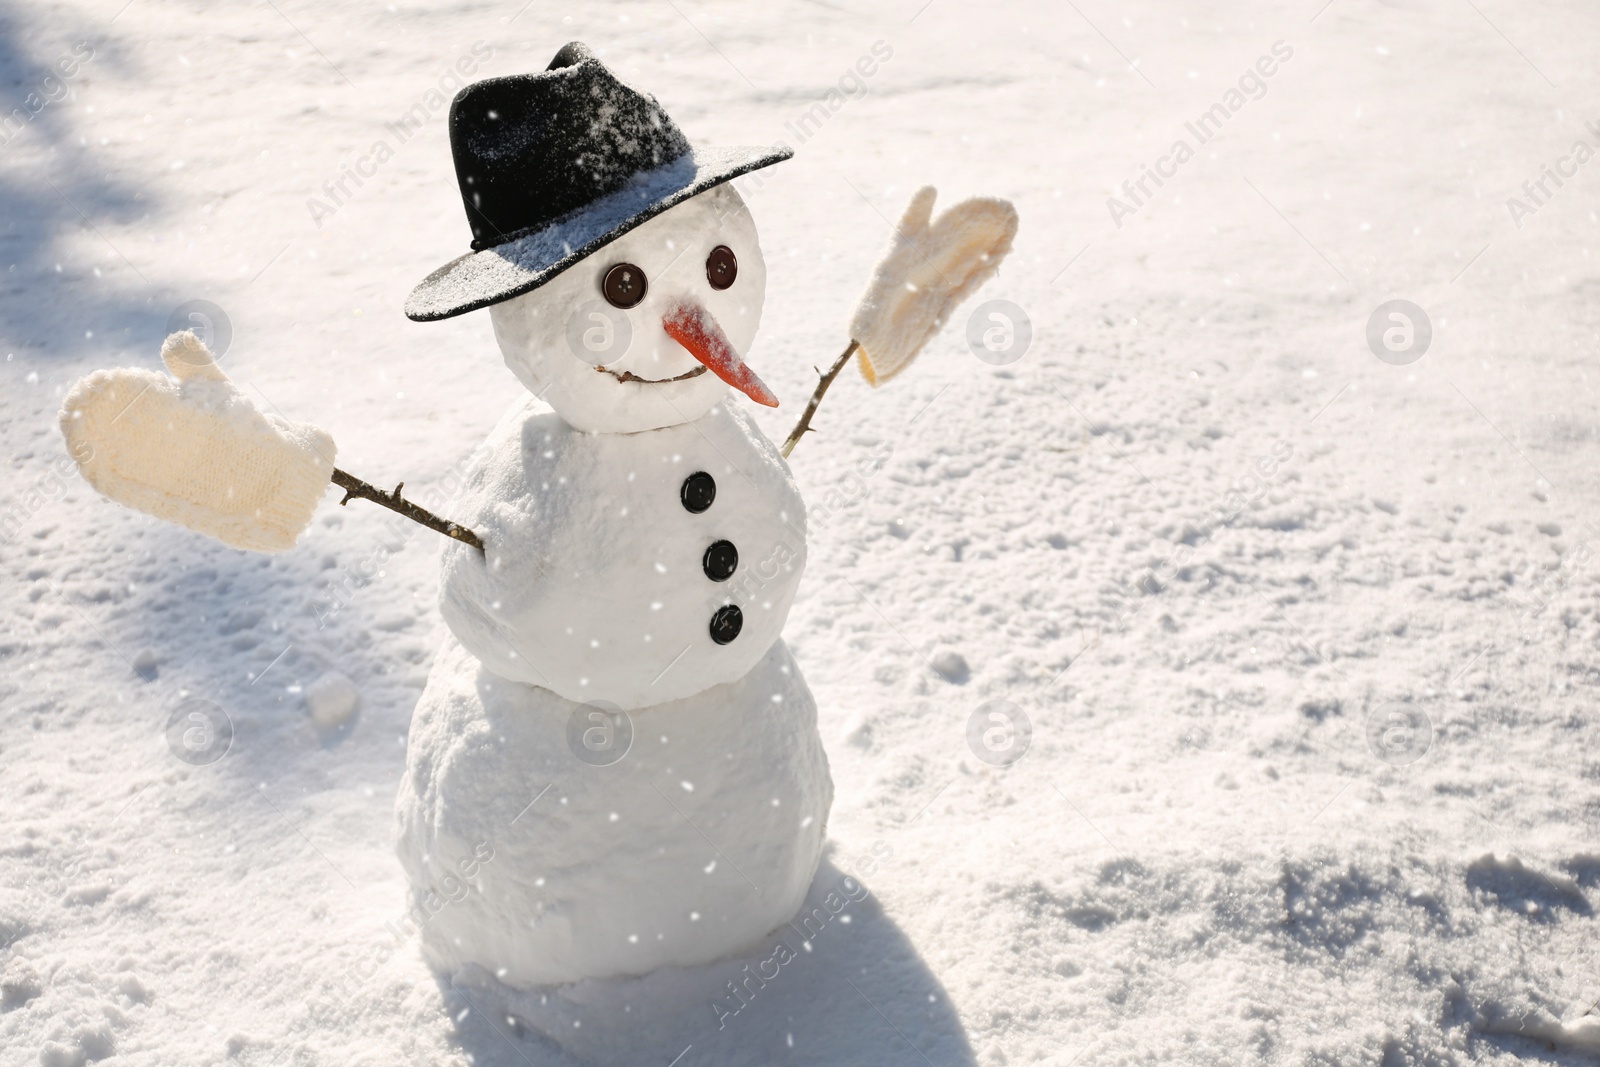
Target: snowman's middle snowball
point(596, 581)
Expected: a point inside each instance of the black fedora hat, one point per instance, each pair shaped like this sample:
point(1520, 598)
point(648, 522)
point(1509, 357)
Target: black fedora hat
point(555, 165)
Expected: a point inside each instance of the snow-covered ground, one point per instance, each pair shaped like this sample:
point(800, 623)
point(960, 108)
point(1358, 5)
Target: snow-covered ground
point(1219, 554)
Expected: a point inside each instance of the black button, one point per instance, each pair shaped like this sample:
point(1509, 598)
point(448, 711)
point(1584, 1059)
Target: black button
point(720, 561)
point(699, 490)
point(726, 623)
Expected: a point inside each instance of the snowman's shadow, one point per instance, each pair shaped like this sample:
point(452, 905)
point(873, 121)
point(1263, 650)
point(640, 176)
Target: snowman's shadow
point(859, 994)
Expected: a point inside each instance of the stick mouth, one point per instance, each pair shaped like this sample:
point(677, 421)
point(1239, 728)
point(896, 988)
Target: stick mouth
point(629, 376)
point(692, 326)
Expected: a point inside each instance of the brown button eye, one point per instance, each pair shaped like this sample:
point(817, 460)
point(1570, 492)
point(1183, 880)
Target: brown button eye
point(722, 267)
point(624, 285)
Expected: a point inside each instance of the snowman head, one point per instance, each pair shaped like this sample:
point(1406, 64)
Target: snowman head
point(621, 269)
point(651, 329)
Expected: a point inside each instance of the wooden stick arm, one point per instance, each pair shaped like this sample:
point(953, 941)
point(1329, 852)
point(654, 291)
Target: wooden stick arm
point(804, 424)
point(355, 488)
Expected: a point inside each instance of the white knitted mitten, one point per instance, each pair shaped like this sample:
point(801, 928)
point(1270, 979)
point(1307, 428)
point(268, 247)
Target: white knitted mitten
point(192, 449)
point(928, 270)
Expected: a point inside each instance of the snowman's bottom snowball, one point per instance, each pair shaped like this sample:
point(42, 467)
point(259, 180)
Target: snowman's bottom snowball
point(693, 846)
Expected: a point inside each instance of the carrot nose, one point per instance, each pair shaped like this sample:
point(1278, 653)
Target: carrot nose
point(692, 326)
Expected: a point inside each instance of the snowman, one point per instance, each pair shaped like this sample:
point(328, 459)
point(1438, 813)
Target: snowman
point(615, 764)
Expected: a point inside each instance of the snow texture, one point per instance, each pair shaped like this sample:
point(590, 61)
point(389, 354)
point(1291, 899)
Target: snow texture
point(1199, 859)
point(688, 843)
point(194, 450)
point(591, 583)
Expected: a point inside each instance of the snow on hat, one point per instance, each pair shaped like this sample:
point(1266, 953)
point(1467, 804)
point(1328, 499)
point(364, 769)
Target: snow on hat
point(555, 165)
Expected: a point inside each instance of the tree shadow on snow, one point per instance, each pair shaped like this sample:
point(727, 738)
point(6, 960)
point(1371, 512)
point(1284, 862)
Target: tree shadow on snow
point(64, 288)
point(838, 989)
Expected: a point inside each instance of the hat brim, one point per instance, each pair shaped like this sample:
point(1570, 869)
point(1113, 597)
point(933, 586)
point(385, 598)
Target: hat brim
point(522, 264)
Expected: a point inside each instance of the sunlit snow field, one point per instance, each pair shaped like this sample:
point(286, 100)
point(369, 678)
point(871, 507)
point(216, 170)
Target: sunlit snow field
point(1306, 640)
